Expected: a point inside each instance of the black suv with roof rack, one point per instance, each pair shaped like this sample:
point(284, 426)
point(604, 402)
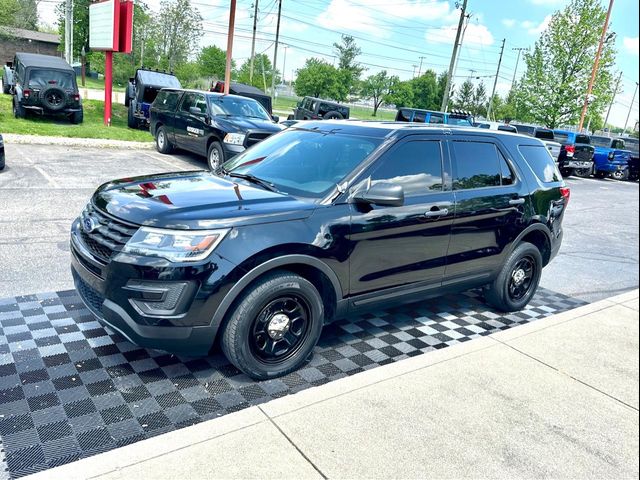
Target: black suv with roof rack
point(313, 224)
point(312, 108)
point(45, 85)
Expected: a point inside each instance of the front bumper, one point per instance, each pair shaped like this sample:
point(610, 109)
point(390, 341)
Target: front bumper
point(231, 151)
point(118, 292)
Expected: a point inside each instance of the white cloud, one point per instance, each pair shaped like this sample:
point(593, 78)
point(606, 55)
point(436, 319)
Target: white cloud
point(532, 29)
point(508, 22)
point(341, 15)
point(631, 45)
point(414, 9)
point(548, 3)
point(476, 34)
point(527, 24)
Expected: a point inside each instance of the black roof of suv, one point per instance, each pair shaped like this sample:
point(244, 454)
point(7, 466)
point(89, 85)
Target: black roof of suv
point(312, 224)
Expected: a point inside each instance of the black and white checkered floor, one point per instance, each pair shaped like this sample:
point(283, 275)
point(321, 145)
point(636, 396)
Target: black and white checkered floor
point(69, 388)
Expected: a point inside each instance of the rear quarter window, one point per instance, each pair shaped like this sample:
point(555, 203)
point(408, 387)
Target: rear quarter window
point(541, 162)
point(166, 100)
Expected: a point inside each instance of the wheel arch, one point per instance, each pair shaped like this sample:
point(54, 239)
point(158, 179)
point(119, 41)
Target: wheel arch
point(539, 235)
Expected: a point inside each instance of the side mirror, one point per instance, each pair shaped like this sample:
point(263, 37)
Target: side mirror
point(383, 194)
point(275, 118)
point(196, 111)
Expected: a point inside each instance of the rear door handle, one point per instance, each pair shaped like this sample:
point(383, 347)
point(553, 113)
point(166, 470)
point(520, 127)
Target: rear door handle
point(437, 213)
point(516, 201)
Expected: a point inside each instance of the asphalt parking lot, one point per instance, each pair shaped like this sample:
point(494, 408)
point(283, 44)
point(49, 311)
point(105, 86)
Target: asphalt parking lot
point(43, 188)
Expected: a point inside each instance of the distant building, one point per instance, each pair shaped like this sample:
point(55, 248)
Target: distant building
point(14, 40)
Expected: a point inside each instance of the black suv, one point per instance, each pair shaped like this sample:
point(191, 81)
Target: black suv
point(209, 124)
point(314, 223)
point(45, 85)
point(311, 108)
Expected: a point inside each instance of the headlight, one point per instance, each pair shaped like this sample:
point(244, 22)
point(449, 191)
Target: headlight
point(174, 245)
point(234, 138)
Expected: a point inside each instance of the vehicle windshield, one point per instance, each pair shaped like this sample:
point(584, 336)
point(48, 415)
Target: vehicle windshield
point(238, 107)
point(601, 142)
point(631, 144)
point(43, 78)
point(304, 163)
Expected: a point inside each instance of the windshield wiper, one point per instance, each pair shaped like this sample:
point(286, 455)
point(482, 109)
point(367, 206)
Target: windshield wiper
point(254, 179)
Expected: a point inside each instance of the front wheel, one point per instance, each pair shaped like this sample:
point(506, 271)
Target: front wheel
point(162, 141)
point(582, 172)
point(518, 280)
point(275, 326)
point(215, 156)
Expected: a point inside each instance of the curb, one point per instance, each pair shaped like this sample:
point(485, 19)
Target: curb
point(17, 139)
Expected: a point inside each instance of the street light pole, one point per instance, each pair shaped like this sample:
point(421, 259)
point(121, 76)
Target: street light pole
point(615, 92)
point(232, 22)
point(284, 63)
point(275, 53)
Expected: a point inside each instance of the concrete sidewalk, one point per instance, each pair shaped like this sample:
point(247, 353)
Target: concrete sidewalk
point(554, 398)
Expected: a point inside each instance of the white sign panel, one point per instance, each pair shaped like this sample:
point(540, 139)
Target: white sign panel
point(101, 25)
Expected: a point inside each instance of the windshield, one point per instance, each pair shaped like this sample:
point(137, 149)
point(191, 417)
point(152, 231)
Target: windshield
point(631, 144)
point(41, 78)
point(238, 107)
point(304, 163)
point(601, 142)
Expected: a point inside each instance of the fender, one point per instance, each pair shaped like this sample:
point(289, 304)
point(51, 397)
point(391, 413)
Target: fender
point(531, 228)
point(265, 267)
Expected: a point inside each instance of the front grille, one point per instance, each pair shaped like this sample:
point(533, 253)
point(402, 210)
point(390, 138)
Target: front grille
point(256, 137)
point(90, 297)
point(109, 237)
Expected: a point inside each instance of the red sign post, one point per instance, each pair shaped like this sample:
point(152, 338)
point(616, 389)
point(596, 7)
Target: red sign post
point(110, 30)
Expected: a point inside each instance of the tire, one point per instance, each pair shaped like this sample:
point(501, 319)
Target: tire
point(77, 117)
point(18, 110)
point(53, 99)
point(132, 122)
point(163, 145)
point(256, 326)
point(600, 174)
point(565, 172)
point(505, 293)
point(6, 88)
point(215, 156)
point(582, 172)
point(620, 175)
point(2, 162)
point(333, 115)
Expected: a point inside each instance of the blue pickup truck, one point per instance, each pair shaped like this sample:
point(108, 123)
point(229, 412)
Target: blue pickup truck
point(610, 158)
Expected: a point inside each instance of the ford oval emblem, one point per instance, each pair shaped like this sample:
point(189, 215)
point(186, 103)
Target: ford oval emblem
point(89, 224)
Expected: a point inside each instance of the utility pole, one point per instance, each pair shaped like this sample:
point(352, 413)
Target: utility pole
point(615, 92)
point(275, 53)
point(630, 107)
point(495, 81)
point(232, 23)
point(68, 31)
point(519, 50)
point(447, 88)
point(284, 63)
point(253, 39)
point(420, 67)
point(414, 71)
point(594, 70)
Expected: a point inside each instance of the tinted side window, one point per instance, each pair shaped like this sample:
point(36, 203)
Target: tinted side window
point(583, 139)
point(188, 101)
point(618, 144)
point(544, 134)
point(420, 117)
point(403, 116)
point(478, 165)
point(436, 118)
point(416, 165)
point(541, 162)
point(200, 103)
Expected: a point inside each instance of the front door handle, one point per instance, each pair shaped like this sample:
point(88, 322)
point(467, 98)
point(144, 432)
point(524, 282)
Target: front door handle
point(437, 213)
point(516, 201)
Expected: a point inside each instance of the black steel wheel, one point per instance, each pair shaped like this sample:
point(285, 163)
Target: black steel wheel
point(582, 172)
point(274, 326)
point(53, 98)
point(518, 280)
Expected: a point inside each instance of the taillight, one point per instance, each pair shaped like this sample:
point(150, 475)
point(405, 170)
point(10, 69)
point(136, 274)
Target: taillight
point(570, 149)
point(76, 97)
point(26, 92)
point(566, 194)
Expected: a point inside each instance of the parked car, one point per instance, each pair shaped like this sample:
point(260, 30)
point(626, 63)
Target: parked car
point(142, 90)
point(311, 108)
point(45, 85)
point(418, 115)
point(631, 144)
point(209, 124)
point(545, 134)
point(7, 78)
point(576, 153)
point(315, 223)
point(2, 157)
point(246, 91)
point(504, 127)
point(610, 159)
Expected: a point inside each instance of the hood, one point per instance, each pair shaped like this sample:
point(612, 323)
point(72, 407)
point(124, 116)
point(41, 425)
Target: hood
point(195, 200)
point(242, 124)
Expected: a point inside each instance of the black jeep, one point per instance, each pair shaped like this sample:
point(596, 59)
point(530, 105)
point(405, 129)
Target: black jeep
point(142, 90)
point(45, 85)
point(311, 108)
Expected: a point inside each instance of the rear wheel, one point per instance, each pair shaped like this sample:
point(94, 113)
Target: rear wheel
point(582, 172)
point(132, 122)
point(275, 326)
point(620, 174)
point(333, 115)
point(18, 110)
point(518, 280)
point(163, 145)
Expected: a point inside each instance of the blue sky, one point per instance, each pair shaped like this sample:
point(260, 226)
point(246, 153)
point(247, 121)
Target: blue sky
point(395, 34)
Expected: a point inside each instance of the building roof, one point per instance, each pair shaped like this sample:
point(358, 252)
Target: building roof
point(33, 35)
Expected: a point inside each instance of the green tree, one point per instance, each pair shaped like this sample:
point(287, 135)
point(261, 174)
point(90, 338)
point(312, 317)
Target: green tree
point(8, 12)
point(212, 62)
point(465, 96)
point(479, 104)
point(319, 79)
point(426, 91)
point(261, 72)
point(377, 87)
point(179, 28)
point(18, 14)
point(559, 67)
point(347, 51)
point(400, 94)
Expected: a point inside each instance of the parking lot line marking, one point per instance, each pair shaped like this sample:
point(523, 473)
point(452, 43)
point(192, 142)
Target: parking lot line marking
point(165, 161)
point(49, 178)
